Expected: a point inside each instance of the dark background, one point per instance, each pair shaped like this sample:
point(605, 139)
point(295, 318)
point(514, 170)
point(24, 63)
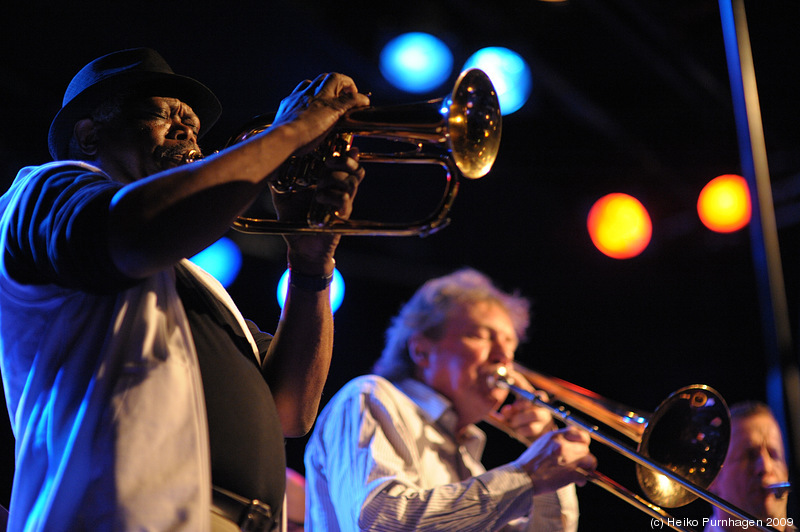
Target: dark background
point(629, 96)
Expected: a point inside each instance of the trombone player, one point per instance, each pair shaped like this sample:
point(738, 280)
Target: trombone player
point(399, 450)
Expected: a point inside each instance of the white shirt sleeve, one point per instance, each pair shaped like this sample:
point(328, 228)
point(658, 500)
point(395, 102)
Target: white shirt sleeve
point(374, 464)
point(556, 511)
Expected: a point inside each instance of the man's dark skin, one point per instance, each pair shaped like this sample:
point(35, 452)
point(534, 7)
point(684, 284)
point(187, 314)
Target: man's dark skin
point(168, 210)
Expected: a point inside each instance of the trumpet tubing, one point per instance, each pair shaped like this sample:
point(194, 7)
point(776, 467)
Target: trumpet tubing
point(459, 132)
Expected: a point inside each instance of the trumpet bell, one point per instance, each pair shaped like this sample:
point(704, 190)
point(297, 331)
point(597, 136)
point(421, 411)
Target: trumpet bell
point(687, 434)
point(475, 124)
point(467, 125)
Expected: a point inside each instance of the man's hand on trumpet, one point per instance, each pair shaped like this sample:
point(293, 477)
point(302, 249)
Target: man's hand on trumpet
point(309, 113)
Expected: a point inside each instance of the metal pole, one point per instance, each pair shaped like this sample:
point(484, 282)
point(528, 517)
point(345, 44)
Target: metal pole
point(783, 377)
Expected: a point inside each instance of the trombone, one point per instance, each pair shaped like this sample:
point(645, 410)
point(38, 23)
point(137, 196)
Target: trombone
point(682, 445)
point(459, 132)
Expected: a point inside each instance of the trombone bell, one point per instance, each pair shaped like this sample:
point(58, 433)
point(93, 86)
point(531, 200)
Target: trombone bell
point(681, 446)
point(460, 132)
point(689, 435)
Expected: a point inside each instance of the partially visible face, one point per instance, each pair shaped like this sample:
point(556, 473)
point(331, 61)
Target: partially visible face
point(478, 338)
point(153, 135)
point(755, 459)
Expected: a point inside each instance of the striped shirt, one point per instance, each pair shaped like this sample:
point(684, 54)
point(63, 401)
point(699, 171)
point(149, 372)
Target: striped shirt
point(385, 457)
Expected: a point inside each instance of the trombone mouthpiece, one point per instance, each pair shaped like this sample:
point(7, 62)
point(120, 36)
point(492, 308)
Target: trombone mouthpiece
point(500, 378)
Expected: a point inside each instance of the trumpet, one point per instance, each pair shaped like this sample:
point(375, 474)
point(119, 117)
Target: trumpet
point(459, 132)
point(682, 445)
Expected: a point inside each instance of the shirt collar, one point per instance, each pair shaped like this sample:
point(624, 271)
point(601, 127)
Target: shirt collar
point(440, 411)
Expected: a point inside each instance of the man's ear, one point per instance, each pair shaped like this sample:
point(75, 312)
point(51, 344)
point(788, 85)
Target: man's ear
point(85, 132)
point(419, 346)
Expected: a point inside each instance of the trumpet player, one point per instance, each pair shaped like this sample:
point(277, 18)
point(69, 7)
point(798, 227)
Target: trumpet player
point(133, 382)
point(399, 449)
point(754, 465)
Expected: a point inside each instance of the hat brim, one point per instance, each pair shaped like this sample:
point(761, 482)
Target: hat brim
point(192, 92)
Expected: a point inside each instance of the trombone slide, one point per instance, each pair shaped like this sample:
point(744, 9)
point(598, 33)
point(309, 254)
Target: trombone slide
point(502, 380)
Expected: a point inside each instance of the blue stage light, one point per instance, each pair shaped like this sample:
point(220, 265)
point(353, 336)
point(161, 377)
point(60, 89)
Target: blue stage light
point(337, 289)
point(510, 75)
point(416, 62)
point(222, 259)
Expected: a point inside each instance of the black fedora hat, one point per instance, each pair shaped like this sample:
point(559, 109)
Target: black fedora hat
point(134, 69)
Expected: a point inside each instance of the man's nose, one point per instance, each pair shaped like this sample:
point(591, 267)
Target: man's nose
point(764, 462)
point(501, 354)
point(181, 131)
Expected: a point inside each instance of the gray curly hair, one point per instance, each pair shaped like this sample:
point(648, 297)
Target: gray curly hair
point(428, 309)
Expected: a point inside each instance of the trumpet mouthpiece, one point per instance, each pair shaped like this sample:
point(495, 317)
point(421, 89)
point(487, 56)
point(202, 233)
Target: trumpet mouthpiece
point(191, 156)
point(779, 489)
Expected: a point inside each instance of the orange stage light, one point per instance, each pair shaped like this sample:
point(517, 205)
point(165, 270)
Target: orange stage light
point(619, 226)
point(724, 204)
